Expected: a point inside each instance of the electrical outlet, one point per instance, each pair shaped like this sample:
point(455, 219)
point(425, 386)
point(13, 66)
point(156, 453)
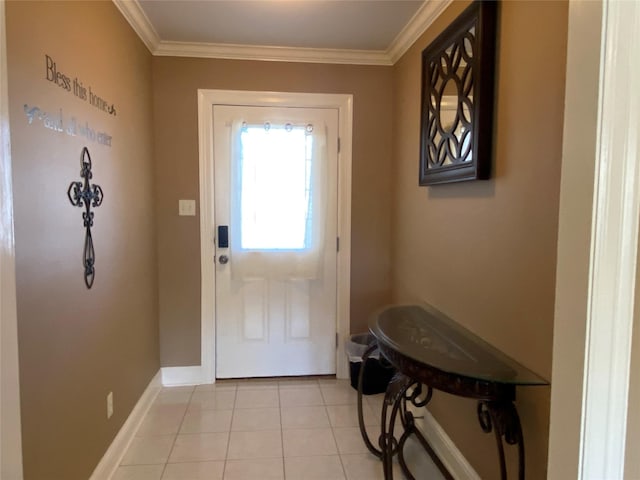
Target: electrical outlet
point(109, 404)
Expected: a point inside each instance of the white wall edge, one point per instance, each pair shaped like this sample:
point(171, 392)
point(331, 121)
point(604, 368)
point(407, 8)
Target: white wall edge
point(447, 451)
point(10, 425)
point(174, 376)
point(574, 237)
point(614, 244)
point(117, 449)
point(206, 100)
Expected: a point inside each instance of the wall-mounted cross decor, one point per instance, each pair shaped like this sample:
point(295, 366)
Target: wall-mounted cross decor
point(83, 194)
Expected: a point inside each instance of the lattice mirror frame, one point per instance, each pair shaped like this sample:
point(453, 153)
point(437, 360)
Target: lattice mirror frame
point(458, 70)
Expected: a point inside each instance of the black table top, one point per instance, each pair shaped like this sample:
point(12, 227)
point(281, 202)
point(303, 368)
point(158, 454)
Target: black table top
point(429, 337)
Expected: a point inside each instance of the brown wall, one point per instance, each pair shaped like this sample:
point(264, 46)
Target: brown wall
point(76, 344)
point(484, 252)
point(175, 85)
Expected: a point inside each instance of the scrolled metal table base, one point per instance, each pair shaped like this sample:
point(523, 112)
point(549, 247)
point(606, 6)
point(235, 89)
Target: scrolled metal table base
point(502, 418)
point(401, 389)
point(497, 416)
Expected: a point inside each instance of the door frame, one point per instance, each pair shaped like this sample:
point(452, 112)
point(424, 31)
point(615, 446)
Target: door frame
point(206, 100)
point(597, 264)
point(10, 426)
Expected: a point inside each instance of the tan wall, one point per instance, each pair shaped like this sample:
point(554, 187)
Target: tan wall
point(484, 252)
point(175, 85)
point(76, 344)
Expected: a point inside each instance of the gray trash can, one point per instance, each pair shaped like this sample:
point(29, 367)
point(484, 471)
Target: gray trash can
point(378, 371)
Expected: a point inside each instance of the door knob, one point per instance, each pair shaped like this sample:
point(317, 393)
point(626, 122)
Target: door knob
point(223, 259)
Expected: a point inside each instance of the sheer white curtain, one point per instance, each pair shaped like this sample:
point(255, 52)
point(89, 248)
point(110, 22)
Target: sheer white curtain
point(278, 201)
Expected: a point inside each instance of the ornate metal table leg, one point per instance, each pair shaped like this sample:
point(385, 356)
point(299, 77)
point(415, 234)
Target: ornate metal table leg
point(409, 426)
point(363, 428)
point(396, 397)
point(502, 418)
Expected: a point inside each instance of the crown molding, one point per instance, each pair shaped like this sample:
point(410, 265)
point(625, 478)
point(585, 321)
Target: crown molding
point(423, 18)
point(134, 14)
point(273, 54)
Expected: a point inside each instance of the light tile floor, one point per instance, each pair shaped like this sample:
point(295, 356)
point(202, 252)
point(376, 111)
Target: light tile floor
point(294, 429)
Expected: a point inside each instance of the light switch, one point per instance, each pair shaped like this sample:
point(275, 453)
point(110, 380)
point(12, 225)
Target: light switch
point(187, 208)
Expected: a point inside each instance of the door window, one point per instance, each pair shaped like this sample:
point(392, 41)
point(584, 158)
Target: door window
point(275, 187)
point(278, 200)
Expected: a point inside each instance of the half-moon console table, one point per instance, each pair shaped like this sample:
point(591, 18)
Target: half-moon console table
point(431, 351)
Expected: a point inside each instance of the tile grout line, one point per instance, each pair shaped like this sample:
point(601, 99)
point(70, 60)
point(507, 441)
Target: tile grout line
point(177, 433)
point(233, 413)
point(326, 411)
point(333, 433)
point(284, 470)
point(344, 470)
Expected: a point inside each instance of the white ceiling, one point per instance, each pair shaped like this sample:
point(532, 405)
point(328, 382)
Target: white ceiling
point(353, 25)
point(338, 31)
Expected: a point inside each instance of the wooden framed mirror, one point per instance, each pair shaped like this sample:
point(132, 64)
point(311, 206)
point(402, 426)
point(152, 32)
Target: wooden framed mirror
point(458, 70)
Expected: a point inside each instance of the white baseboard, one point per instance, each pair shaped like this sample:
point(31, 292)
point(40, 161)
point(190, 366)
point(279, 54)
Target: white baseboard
point(443, 446)
point(175, 376)
point(172, 376)
point(118, 447)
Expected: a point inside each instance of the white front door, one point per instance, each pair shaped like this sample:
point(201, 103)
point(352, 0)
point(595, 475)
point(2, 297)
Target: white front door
point(275, 176)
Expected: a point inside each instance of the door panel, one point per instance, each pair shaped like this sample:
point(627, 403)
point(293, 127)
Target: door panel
point(276, 295)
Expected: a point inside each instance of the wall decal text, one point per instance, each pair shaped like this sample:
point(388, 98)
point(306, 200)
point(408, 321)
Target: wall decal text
point(76, 86)
point(73, 127)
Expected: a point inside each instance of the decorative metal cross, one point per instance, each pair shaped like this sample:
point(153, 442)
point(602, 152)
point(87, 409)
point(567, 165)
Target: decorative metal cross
point(83, 194)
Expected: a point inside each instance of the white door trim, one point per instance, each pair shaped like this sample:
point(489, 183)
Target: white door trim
point(614, 247)
point(206, 100)
point(10, 427)
point(597, 243)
